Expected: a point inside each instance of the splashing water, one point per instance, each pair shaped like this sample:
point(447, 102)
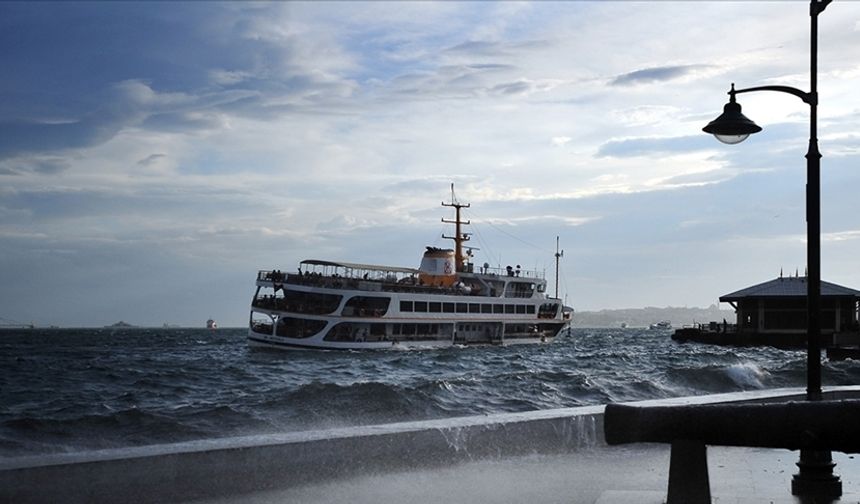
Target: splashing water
point(68, 390)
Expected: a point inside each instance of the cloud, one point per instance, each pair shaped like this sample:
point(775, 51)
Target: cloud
point(633, 147)
point(33, 164)
point(121, 104)
point(699, 178)
point(335, 133)
point(477, 47)
point(151, 159)
point(657, 74)
point(840, 236)
point(465, 80)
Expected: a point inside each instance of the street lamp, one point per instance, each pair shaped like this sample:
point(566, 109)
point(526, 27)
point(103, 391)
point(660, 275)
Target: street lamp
point(816, 467)
point(732, 127)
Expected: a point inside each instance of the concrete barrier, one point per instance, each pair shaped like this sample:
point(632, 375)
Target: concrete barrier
point(235, 466)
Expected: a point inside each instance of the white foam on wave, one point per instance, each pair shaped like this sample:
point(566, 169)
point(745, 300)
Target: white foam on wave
point(747, 375)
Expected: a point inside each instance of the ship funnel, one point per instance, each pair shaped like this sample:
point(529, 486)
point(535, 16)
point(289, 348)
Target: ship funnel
point(438, 267)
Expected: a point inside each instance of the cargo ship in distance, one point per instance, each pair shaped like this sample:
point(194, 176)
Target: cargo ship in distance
point(445, 302)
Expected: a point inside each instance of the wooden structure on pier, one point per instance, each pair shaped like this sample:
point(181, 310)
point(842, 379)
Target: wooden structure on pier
point(774, 313)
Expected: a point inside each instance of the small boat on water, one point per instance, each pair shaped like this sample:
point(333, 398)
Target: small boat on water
point(211, 325)
point(445, 302)
point(663, 324)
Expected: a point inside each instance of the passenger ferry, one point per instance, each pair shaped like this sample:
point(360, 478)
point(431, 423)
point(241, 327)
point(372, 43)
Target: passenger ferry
point(445, 302)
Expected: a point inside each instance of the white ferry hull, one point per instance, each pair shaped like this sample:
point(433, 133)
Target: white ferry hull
point(273, 343)
point(265, 342)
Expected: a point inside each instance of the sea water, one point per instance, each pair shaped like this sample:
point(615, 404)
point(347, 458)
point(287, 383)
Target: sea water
point(65, 390)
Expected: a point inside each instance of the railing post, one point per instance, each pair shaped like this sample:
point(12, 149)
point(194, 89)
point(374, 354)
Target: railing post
point(688, 473)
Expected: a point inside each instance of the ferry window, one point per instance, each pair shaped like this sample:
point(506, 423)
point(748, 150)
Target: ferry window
point(498, 308)
point(299, 328)
point(366, 306)
point(395, 329)
point(435, 307)
point(462, 308)
point(448, 307)
point(521, 308)
point(486, 308)
point(459, 327)
point(406, 306)
point(421, 306)
point(541, 287)
point(530, 309)
point(509, 308)
point(408, 329)
point(474, 308)
point(307, 302)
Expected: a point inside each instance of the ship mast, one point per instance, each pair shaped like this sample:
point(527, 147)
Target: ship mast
point(558, 255)
point(459, 236)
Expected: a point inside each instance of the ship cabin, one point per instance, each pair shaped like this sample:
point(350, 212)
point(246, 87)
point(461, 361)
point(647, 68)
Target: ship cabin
point(774, 312)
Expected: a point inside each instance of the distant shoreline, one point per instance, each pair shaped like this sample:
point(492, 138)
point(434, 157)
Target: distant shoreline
point(595, 319)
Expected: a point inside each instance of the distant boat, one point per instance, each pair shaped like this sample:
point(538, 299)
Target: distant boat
point(210, 324)
point(663, 324)
point(624, 325)
point(120, 324)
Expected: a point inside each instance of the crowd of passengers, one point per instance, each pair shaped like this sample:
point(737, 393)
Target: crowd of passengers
point(276, 276)
point(355, 308)
point(284, 304)
point(406, 284)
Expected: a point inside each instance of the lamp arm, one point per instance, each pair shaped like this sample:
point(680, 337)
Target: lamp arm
point(808, 98)
point(816, 7)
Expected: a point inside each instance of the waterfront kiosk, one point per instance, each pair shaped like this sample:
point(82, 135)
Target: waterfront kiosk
point(774, 312)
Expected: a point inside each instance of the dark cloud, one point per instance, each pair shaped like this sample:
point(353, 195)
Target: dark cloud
point(22, 137)
point(62, 205)
point(476, 46)
point(644, 146)
point(656, 74)
point(512, 88)
point(79, 73)
point(151, 159)
point(482, 47)
point(42, 166)
point(492, 66)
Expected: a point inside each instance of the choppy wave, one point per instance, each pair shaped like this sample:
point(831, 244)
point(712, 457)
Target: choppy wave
point(68, 390)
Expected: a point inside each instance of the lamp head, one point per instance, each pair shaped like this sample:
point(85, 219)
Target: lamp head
point(732, 126)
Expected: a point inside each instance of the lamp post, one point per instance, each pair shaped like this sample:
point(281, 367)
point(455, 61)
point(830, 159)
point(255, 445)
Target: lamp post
point(816, 467)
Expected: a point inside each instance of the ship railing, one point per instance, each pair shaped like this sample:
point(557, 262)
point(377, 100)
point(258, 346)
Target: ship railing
point(511, 272)
point(387, 277)
point(388, 283)
point(271, 275)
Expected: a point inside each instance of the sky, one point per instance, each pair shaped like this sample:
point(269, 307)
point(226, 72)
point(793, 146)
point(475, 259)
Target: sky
point(154, 156)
